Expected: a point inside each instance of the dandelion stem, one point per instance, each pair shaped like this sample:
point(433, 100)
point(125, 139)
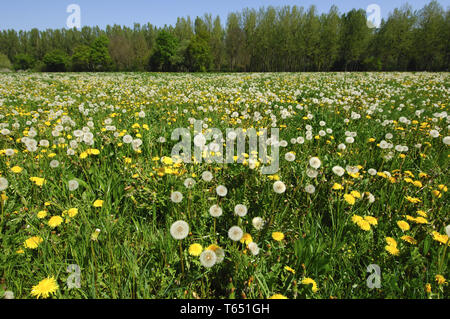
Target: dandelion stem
point(181, 258)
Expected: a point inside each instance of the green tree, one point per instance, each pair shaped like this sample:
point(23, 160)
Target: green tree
point(198, 55)
point(81, 58)
point(56, 61)
point(164, 57)
point(99, 57)
point(23, 61)
point(4, 62)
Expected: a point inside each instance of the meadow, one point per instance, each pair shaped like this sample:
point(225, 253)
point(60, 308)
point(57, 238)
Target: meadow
point(94, 206)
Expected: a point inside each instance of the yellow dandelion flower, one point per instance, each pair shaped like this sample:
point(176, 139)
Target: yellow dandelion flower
point(42, 214)
point(404, 226)
point(413, 200)
point(278, 236)
point(349, 199)
point(16, 169)
point(337, 186)
point(440, 238)
point(98, 203)
point(442, 187)
point(278, 296)
point(422, 213)
point(428, 288)
point(72, 212)
point(289, 269)
point(195, 249)
point(364, 225)
point(420, 220)
point(33, 242)
point(55, 221)
point(440, 280)
point(246, 238)
point(83, 155)
point(45, 288)
point(392, 250)
point(371, 220)
point(356, 219)
point(417, 183)
point(391, 241)
point(307, 281)
point(355, 194)
point(436, 193)
point(39, 181)
point(409, 239)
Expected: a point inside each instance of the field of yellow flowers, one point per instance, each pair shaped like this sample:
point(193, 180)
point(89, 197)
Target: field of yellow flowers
point(94, 206)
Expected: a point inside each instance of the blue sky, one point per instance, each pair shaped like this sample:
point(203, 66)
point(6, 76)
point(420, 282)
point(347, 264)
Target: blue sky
point(43, 14)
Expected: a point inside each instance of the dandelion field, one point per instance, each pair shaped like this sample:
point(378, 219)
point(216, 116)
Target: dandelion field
point(87, 180)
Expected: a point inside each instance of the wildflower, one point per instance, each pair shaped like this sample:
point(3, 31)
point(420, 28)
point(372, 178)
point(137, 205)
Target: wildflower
point(440, 238)
point(41, 214)
point(422, 213)
point(279, 187)
point(307, 281)
point(440, 280)
point(371, 220)
point(16, 169)
point(55, 221)
point(258, 223)
point(253, 247)
point(220, 253)
point(207, 176)
point(278, 296)
point(179, 229)
point(337, 186)
point(315, 162)
point(246, 238)
point(278, 236)
point(391, 241)
point(392, 250)
point(98, 203)
point(349, 199)
point(235, 233)
point(45, 288)
point(72, 212)
point(33, 242)
point(289, 269)
point(310, 189)
point(221, 190)
point(428, 288)
point(413, 199)
point(289, 156)
point(195, 249)
point(355, 194)
point(208, 258)
point(404, 226)
point(94, 235)
point(189, 182)
point(409, 239)
point(176, 197)
point(73, 185)
point(240, 210)
point(39, 181)
point(215, 211)
point(338, 170)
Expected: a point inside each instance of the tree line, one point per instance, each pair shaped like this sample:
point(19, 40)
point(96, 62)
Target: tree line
point(269, 39)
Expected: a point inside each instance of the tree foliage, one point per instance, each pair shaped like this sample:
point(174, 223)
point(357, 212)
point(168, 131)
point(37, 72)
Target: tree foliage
point(287, 38)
